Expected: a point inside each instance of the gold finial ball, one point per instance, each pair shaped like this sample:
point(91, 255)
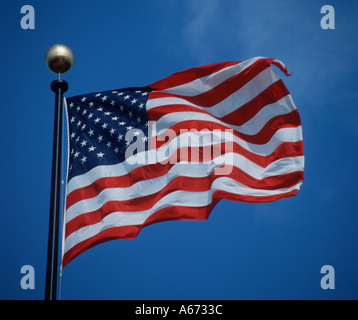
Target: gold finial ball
point(59, 58)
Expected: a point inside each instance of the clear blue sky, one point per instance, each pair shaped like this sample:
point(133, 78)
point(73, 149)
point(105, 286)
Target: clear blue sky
point(244, 251)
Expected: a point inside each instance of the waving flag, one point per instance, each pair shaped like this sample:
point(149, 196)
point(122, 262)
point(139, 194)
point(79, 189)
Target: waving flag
point(173, 149)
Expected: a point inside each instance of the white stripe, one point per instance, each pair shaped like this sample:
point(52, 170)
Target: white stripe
point(206, 83)
point(234, 101)
point(117, 170)
point(200, 170)
point(251, 127)
point(177, 198)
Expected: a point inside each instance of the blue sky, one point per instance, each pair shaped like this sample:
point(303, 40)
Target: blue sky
point(244, 251)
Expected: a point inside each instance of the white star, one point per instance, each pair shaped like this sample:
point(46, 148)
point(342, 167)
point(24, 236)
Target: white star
point(137, 133)
point(83, 143)
point(104, 126)
point(104, 98)
point(100, 109)
point(76, 154)
point(83, 160)
point(90, 115)
point(84, 112)
point(120, 94)
point(144, 93)
point(127, 97)
point(109, 144)
point(83, 99)
point(98, 94)
point(79, 123)
point(100, 155)
point(120, 137)
point(100, 138)
point(115, 118)
point(139, 120)
point(134, 101)
point(116, 150)
point(130, 114)
point(129, 128)
point(121, 108)
point(97, 120)
point(83, 127)
point(122, 123)
point(112, 131)
point(141, 106)
point(145, 139)
point(112, 102)
point(91, 104)
point(90, 133)
point(107, 113)
point(91, 148)
point(72, 119)
point(73, 135)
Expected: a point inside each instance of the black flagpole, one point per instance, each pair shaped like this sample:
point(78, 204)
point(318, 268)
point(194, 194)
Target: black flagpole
point(59, 87)
point(59, 59)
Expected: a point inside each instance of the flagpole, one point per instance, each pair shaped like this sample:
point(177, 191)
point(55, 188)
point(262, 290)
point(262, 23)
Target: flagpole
point(59, 59)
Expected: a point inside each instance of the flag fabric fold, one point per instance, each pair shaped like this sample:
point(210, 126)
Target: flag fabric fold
point(173, 149)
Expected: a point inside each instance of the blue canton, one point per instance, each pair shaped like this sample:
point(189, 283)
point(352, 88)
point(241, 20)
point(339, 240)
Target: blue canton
point(98, 124)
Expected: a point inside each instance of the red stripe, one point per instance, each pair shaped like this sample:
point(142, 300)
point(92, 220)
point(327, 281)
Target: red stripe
point(286, 149)
point(244, 198)
point(189, 184)
point(189, 75)
point(221, 91)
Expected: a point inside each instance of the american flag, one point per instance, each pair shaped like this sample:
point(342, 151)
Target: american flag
point(243, 108)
